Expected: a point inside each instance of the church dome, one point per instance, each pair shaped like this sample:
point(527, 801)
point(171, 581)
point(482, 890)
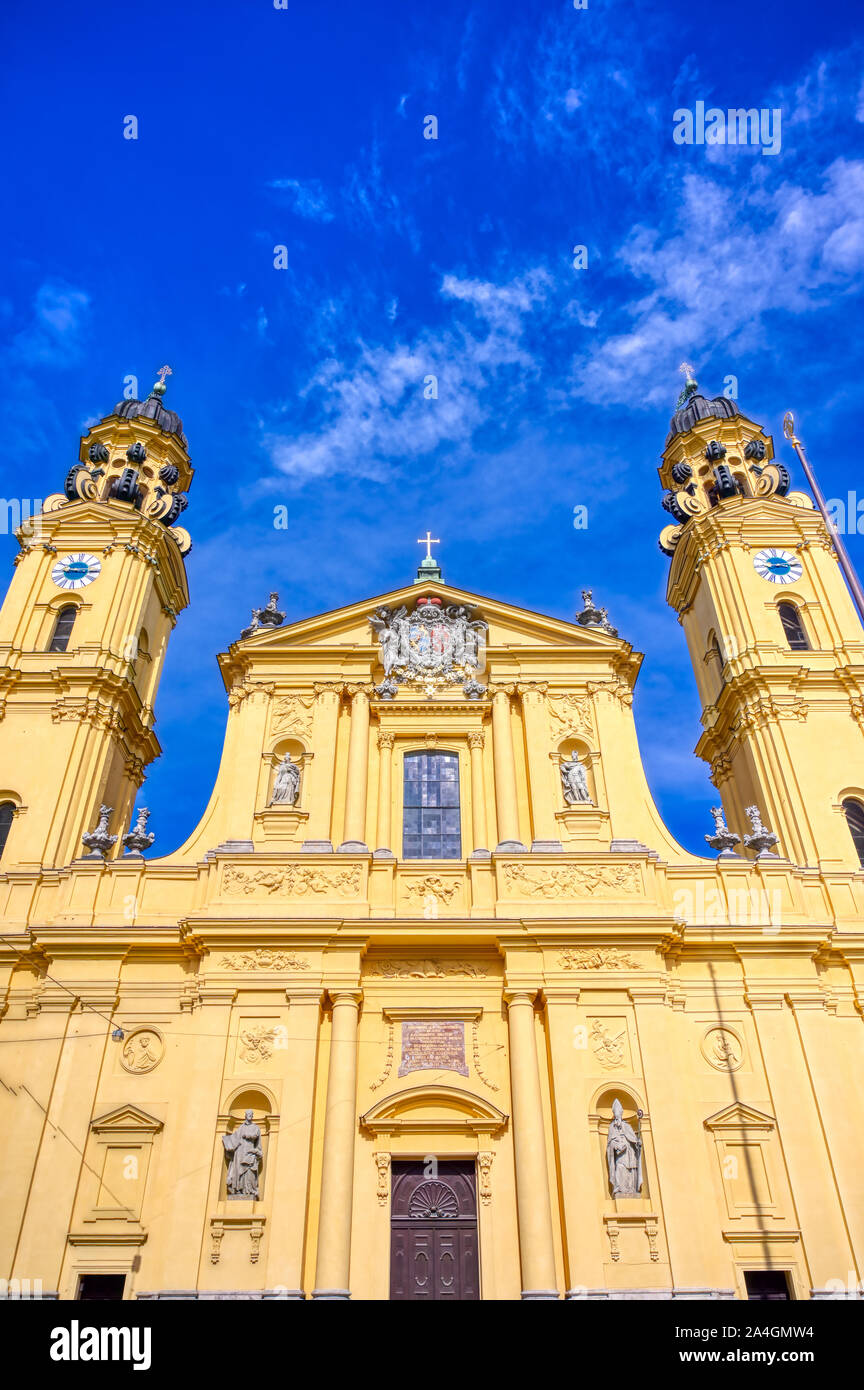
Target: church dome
point(153, 409)
point(700, 408)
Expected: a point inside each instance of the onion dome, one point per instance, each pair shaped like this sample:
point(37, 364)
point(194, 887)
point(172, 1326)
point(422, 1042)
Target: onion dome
point(153, 409)
point(693, 406)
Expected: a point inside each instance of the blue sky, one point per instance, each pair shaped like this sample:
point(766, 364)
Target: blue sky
point(407, 257)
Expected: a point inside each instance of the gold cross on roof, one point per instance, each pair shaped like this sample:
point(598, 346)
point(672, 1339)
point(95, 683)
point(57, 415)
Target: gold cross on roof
point(428, 540)
point(163, 372)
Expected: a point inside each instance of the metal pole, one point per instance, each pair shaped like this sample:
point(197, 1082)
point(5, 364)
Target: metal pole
point(842, 554)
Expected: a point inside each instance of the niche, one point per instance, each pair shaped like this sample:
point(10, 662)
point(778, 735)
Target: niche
point(246, 1167)
point(568, 751)
point(624, 1163)
point(285, 747)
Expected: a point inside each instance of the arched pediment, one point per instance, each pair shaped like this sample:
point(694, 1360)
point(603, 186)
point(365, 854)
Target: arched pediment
point(433, 1110)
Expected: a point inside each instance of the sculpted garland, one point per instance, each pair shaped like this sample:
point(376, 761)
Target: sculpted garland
point(292, 881)
point(573, 880)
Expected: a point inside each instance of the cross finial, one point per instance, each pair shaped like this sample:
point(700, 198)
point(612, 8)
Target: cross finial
point(428, 540)
point(159, 387)
point(691, 385)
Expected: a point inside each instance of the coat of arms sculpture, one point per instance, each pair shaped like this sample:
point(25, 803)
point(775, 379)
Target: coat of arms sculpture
point(434, 646)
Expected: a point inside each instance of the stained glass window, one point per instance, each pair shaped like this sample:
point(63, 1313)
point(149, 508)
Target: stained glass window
point(431, 826)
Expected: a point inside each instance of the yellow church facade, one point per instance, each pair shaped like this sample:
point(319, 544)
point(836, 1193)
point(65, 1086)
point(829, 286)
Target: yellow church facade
point(431, 1004)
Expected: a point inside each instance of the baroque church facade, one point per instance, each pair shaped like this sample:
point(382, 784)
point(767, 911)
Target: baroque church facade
point(431, 1004)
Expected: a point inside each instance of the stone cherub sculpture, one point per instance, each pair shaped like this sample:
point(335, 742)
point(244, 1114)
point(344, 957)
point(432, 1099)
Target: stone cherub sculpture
point(574, 781)
point(244, 1146)
point(623, 1155)
point(286, 784)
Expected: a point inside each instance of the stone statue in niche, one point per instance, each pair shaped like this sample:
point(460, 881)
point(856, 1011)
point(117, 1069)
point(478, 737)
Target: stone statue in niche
point(574, 781)
point(286, 784)
point(623, 1155)
point(246, 1155)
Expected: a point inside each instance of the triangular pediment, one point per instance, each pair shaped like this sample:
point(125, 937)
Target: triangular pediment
point(124, 1119)
point(509, 625)
point(740, 1116)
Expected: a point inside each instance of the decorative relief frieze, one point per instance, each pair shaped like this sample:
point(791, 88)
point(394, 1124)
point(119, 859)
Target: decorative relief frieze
point(607, 1045)
point(442, 890)
point(427, 969)
point(292, 881)
point(570, 714)
point(292, 714)
point(571, 880)
point(256, 1044)
point(264, 959)
point(597, 959)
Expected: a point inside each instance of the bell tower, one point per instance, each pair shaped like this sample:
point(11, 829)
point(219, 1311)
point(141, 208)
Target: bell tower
point(99, 581)
point(776, 642)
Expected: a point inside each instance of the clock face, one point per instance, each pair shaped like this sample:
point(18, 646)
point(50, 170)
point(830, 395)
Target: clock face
point(778, 566)
point(75, 571)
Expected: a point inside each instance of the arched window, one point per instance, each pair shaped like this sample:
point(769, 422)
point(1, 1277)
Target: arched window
point(431, 828)
point(854, 813)
point(715, 660)
point(63, 628)
point(7, 811)
point(793, 627)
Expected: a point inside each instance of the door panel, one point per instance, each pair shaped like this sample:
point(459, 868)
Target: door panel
point(433, 1248)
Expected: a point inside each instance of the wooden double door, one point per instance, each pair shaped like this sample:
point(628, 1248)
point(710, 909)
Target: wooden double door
point(433, 1231)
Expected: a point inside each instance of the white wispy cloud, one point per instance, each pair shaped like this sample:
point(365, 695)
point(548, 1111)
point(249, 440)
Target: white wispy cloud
point(307, 198)
point(731, 257)
point(53, 336)
point(378, 408)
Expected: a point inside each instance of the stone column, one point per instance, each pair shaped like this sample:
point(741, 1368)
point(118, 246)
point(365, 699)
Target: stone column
point(536, 1245)
point(506, 802)
point(544, 826)
point(476, 740)
point(320, 798)
point(386, 740)
point(333, 1265)
point(358, 768)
